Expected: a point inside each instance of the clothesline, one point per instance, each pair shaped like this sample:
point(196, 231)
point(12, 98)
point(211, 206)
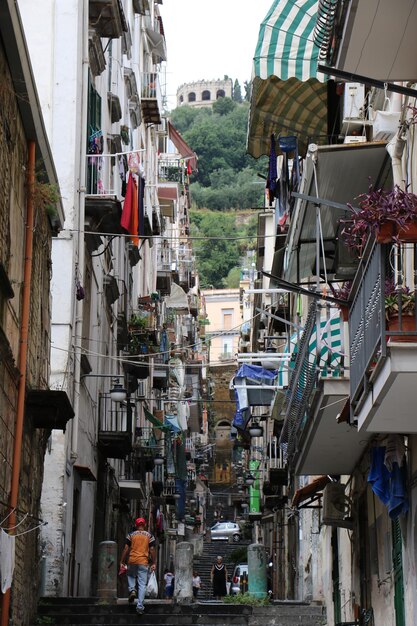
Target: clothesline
point(116, 154)
point(25, 513)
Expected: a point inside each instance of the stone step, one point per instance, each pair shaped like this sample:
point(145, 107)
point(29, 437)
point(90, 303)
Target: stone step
point(92, 611)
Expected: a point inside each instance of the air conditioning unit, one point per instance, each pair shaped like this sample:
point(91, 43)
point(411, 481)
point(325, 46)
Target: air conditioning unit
point(336, 506)
point(354, 139)
point(354, 101)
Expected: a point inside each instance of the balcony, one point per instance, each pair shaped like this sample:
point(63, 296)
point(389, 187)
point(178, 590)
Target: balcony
point(383, 360)
point(103, 208)
point(160, 372)
point(312, 437)
point(48, 408)
point(107, 18)
point(151, 98)
point(115, 428)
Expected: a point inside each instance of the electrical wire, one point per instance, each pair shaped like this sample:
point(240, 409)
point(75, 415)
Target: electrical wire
point(176, 237)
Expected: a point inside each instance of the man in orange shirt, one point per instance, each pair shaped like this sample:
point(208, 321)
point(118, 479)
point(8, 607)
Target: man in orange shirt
point(140, 545)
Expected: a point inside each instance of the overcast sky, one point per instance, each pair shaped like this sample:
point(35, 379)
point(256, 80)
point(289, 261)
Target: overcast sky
point(207, 39)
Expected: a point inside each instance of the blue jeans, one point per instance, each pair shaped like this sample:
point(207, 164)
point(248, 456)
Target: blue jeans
point(139, 574)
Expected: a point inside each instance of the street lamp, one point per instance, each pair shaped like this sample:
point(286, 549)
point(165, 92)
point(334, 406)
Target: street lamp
point(118, 393)
point(158, 460)
point(249, 480)
point(255, 430)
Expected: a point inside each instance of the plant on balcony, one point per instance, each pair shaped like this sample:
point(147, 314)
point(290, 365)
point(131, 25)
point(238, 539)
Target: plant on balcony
point(389, 215)
point(343, 293)
point(399, 298)
point(138, 322)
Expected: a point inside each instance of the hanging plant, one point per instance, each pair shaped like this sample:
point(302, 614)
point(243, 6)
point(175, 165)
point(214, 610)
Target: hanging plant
point(388, 215)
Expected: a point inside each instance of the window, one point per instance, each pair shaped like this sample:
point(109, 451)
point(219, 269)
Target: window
point(220, 94)
point(227, 348)
point(227, 315)
point(191, 97)
point(206, 95)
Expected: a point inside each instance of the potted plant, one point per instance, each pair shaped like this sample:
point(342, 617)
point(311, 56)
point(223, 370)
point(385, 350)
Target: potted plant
point(343, 293)
point(399, 298)
point(390, 215)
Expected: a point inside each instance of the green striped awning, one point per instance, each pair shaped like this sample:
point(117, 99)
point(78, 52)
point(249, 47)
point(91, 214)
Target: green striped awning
point(288, 96)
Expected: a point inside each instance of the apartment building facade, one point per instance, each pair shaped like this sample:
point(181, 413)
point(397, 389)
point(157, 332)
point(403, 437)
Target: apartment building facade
point(340, 422)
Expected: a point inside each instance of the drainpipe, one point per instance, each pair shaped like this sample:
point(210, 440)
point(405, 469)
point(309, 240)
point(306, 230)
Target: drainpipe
point(23, 349)
point(80, 237)
point(395, 147)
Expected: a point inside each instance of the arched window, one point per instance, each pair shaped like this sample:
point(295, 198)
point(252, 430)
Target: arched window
point(206, 95)
point(191, 96)
point(181, 99)
point(220, 94)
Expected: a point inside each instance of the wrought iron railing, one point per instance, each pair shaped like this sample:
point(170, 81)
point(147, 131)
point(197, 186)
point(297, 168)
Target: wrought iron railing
point(382, 273)
point(318, 355)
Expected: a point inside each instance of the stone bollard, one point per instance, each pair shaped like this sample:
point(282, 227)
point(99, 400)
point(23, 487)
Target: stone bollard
point(183, 587)
point(107, 570)
point(257, 570)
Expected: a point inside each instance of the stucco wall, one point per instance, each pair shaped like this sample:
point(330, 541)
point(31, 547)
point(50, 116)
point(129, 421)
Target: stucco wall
point(13, 160)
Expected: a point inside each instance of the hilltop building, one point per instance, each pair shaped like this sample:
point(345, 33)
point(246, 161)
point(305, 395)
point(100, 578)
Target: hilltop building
point(204, 93)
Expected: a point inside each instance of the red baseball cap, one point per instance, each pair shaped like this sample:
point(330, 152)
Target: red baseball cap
point(140, 520)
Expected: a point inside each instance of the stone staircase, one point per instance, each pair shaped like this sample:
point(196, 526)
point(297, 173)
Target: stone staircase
point(203, 563)
point(88, 611)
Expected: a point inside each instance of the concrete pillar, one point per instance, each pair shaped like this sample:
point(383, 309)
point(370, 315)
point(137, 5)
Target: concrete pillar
point(183, 589)
point(107, 570)
point(257, 565)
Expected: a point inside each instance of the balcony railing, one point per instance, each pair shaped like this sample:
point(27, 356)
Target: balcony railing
point(151, 98)
point(103, 175)
point(369, 334)
point(170, 170)
point(316, 358)
point(115, 428)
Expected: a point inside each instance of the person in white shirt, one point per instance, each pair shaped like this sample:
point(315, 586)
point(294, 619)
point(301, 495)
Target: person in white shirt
point(196, 584)
point(169, 586)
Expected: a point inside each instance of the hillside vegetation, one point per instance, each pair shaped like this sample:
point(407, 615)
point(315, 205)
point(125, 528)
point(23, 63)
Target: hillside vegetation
point(226, 186)
point(221, 242)
point(227, 177)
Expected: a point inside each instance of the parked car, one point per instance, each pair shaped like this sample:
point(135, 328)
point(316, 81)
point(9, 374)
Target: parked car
point(240, 570)
point(224, 530)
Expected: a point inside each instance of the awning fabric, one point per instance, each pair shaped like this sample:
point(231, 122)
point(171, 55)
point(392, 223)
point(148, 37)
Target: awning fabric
point(288, 96)
point(182, 146)
point(154, 420)
point(309, 490)
point(157, 43)
point(177, 299)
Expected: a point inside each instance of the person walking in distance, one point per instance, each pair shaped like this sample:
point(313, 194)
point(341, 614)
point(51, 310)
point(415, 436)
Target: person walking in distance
point(196, 584)
point(218, 577)
point(140, 545)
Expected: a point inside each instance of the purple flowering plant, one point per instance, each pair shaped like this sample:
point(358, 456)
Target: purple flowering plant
point(377, 207)
point(398, 297)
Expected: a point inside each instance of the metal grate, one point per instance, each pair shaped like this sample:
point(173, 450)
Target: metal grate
point(300, 386)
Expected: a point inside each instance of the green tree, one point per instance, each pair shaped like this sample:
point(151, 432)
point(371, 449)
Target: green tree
point(232, 280)
point(220, 244)
point(218, 253)
point(184, 117)
point(237, 92)
point(246, 86)
point(223, 106)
